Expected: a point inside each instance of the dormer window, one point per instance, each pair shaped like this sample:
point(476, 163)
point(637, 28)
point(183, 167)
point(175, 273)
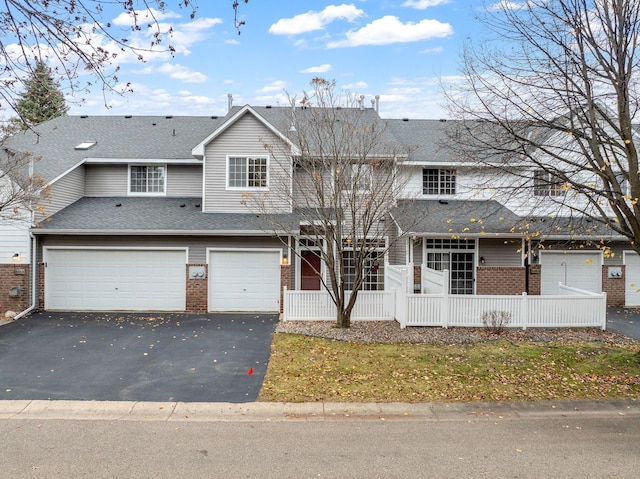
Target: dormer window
point(147, 179)
point(247, 172)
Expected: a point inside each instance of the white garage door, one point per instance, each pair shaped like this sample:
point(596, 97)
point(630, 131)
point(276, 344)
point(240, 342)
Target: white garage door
point(581, 270)
point(115, 280)
point(244, 280)
point(632, 275)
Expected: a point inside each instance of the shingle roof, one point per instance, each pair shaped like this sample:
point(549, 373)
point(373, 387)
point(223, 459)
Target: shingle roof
point(122, 137)
point(454, 217)
point(426, 139)
point(145, 215)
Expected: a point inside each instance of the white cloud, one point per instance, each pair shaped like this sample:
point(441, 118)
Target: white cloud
point(126, 19)
point(361, 85)
point(313, 20)
point(277, 85)
point(182, 73)
point(324, 68)
point(423, 4)
point(508, 5)
point(428, 51)
point(232, 41)
point(390, 29)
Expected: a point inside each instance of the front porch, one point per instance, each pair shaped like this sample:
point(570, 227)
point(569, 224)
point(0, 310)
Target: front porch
point(436, 306)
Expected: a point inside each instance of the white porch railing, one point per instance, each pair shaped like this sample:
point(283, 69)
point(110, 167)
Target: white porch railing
point(571, 308)
point(318, 306)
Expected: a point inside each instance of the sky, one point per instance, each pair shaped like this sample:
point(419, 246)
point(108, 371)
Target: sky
point(400, 50)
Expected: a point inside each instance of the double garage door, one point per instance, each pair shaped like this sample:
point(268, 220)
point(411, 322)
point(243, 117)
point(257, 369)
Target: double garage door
point(154, 280)
point(112, 280)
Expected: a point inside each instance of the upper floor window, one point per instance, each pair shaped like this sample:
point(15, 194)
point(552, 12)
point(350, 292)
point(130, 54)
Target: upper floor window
point(247, 172)
point(546, 183)
point(356, 177)
point(438, 181)
point(147, 179)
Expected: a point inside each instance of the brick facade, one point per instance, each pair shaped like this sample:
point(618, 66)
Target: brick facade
point(535, 279)
point(285, 280)
point(500, 280)
point(14, 275)
point(614, 287)
point(197, 291)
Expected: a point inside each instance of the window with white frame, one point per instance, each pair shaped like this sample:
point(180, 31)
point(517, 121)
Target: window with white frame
point(356, 177)
point(546, 183)
point(438, 181)
point(247, 172)
point(373, 265)
point(147, 179)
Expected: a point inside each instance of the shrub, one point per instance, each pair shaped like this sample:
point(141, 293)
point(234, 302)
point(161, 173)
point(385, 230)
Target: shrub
point(495, 321)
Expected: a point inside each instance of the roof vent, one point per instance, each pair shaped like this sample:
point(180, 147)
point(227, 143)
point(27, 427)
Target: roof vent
point(405, 119)
point(214, 117)
point(168, 117)
point(85, 145)
point(268, 106)
point(443, 120)
point(84, 116)
point(443, 202)
point(127, 116)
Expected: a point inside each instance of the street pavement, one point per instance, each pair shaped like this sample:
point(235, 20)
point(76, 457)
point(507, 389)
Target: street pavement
point(138, 357)
point(139, 440)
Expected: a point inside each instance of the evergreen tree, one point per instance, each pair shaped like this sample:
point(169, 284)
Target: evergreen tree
point(41, 99)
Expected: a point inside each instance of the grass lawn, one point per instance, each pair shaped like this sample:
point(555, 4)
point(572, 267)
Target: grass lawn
point(312, 369)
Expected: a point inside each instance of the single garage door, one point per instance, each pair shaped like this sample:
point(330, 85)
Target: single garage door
point(115, 280)
point(632, 275)
point(581, 270)
point(244, 280)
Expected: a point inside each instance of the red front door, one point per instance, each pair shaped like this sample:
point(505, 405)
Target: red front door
point(309, 277)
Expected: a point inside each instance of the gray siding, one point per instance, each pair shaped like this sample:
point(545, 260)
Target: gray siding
point(500, 252)
point(246, 137)
point(67, 190)
point(197, 245)
point(112, 180)
point(106, 180)
point(184, 181)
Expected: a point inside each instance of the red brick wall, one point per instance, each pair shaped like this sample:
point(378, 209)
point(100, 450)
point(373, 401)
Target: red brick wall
point(197, 291)
point(534, 279)
point(417, 275)
point(41, 286)
point(285, 280)
point(14, 275)
point(500, 280)
point(615, 288)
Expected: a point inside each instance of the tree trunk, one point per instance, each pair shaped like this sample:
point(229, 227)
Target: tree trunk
point(343, 319)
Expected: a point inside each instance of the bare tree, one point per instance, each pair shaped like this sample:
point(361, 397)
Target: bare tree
point(342, 182)
point(20, 189)
point(73, 37)
point(549, 101)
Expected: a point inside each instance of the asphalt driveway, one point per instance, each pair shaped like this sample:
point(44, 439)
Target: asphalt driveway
point(135, 357)
point(625, 321)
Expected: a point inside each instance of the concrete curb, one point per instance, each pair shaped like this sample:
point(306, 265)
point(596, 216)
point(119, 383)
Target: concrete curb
point(261, 411)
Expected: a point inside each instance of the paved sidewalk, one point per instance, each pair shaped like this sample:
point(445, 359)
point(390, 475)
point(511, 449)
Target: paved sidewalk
point(317, 411)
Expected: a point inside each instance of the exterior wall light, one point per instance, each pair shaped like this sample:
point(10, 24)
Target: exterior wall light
point(285, 258)
point(16, 258)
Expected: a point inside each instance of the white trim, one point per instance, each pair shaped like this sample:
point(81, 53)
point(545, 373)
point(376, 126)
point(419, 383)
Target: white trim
point(146, 193)
point(240, 250)
point(45, 249)
point(547, 252)
point(246, 158)
point(144, 161)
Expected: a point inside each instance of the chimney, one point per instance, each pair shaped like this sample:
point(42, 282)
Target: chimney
point(229, 101)
point(377, 103)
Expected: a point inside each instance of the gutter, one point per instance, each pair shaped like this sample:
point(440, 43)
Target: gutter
point(34, 266)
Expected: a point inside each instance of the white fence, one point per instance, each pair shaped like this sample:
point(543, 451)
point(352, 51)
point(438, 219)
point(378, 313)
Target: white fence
point(571, 308)
point(318, 306)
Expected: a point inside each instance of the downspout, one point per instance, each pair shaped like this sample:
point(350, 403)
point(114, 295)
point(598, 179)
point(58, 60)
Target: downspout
point(34, 269)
